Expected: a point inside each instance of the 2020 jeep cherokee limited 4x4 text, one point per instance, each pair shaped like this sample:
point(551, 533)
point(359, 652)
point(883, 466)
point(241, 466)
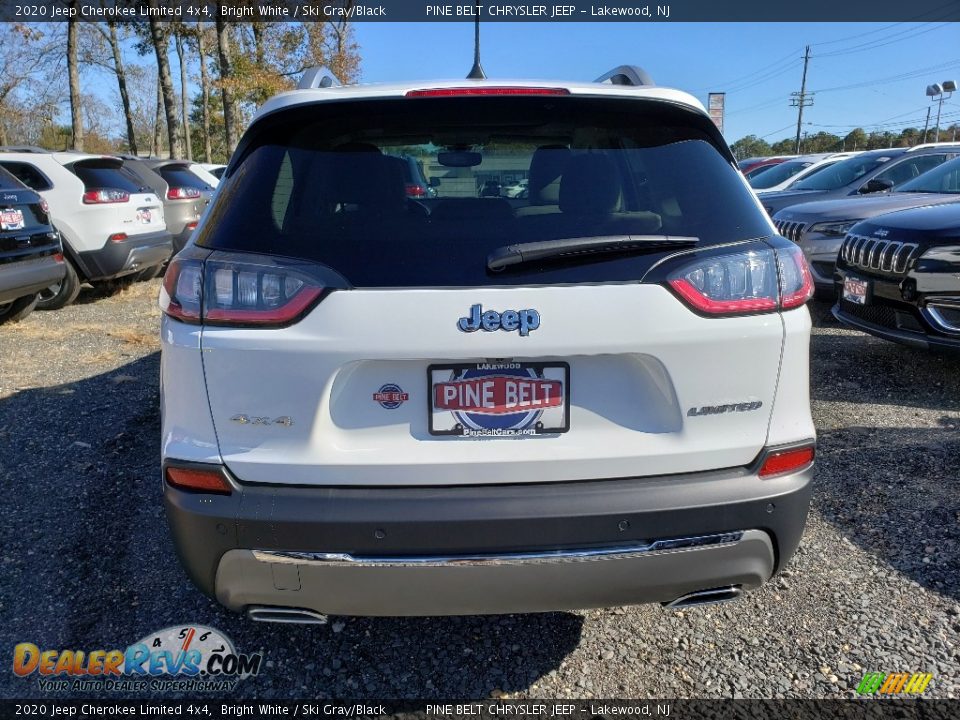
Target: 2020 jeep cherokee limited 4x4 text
point(382, 405)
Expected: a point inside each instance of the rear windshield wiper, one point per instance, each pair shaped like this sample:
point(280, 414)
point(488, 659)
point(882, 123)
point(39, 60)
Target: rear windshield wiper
point(567, 248)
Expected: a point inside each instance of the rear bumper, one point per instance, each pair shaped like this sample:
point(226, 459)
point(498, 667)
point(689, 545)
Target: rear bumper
point(26, 277)
point(136, 253)
point(488, 549)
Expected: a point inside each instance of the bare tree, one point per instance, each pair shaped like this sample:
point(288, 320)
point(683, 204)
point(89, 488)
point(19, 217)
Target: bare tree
point(205, 88)
point(159, 35)
point(73, 72)
point(27, 53)
point(108, 32)
point(180, 42)
point(226, 78)
point(158, 123)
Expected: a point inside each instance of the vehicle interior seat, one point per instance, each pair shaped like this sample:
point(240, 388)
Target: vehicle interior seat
point(543, 188)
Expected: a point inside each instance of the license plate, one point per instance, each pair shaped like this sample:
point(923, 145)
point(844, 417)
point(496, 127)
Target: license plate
point(145, 216)
point(11, 219)
point(499, 399)
point(856, 290)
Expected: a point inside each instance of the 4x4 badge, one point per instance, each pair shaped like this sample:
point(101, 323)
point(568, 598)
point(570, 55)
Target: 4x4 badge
point(526, 321)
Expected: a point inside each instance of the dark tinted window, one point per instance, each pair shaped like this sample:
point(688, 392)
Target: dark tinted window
point(27, 174)
point(912, 167)
point(107, 176)
point(843, 172)
point(323, 184)
point(181, 177)
point(943, 179)
point(8, 181)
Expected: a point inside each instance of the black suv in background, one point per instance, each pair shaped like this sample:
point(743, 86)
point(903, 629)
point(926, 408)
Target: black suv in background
point(899, 277)
point(31, 257)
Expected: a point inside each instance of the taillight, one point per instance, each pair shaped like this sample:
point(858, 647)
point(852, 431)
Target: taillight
point(413, 190)
point(222, 292)
point(192, 225)
point(796, 282)
point(463, 91)
point(101, 196)
point(749, 282)
point(199, 480)
point(182, 193)
point(780, 462)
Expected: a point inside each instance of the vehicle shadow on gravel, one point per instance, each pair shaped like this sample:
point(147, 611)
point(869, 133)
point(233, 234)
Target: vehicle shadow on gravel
point(88, 563)
point(895, 492)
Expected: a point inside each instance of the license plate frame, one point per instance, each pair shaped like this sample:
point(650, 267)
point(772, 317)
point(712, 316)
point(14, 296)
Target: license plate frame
point(856, 290)
point(446, 416)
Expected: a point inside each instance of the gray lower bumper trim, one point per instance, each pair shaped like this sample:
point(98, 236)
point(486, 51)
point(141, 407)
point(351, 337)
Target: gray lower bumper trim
point(329, 559)
point(338, 587)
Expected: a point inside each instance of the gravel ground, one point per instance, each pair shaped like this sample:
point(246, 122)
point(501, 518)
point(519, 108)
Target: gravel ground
point(87, 562)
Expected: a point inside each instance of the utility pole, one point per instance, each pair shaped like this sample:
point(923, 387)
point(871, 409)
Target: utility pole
point(801, 99)
point(926, 124)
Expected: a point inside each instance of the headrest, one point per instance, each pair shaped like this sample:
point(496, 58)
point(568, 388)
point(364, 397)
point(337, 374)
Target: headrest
point(546, 167)
point(590, 185)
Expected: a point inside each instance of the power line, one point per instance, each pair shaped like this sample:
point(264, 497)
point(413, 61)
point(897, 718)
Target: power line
point(948, 7)
point(791, 56)
point(882, 42)
point(894, 78)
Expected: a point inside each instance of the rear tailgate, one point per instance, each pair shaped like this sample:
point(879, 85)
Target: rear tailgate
point(119, 198)
point(638, 364)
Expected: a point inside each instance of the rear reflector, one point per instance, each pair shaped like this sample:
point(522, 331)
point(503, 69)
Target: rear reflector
point(117, 237)
point(196, 480)
point(785, 461)
point(463, 91)
point(58, 257)
point(192, 225)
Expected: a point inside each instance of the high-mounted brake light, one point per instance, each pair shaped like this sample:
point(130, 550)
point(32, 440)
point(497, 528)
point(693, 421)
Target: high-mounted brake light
point(781, 462)
point(749, 282)
point(198, 480)
point(463, 91)
point(182, 193)
point(103, 196)
point(236, 293)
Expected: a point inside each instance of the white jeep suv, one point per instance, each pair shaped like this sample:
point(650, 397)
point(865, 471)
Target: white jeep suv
point(112, 225)
point(379, 405)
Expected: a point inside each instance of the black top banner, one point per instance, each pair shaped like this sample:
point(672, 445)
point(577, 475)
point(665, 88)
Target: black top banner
point(466, 11)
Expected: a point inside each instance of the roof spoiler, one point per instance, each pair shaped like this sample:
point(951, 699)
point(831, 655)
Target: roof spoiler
point(318, 77)
point(626, 75)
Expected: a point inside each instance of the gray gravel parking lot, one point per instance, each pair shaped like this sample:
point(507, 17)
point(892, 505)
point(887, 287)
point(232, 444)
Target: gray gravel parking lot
point(86, 561)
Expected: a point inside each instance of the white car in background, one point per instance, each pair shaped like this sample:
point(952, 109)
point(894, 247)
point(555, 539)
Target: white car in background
point(374, 404)
point(782, 176)
point(111, 224)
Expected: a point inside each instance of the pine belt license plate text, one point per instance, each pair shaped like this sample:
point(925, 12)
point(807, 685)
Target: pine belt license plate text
point(855, 290)
point(11, 219)
point(499, 399)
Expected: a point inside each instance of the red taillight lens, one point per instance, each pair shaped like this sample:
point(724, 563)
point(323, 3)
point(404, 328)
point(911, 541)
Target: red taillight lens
point(730, 284)
point(236, 293)
point(784, 461)
point(749, 282)
point(199, 480)
point(58, 257)
point(182, 193)
point(192, 225)
point(102, 196)
point(415, 191)
point(117, 237)
point(463, 91)
point(796, 282)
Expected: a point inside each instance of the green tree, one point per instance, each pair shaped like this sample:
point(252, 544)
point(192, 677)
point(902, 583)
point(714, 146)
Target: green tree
point(750, 146)
point(856, 139)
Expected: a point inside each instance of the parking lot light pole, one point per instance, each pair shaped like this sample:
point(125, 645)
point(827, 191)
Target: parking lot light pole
point(937, 91)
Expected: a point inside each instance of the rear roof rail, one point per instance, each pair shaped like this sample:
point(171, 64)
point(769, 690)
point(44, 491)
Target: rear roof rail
point(24, 149)
point(626, 75)
point(318, 77)
point(923, 146)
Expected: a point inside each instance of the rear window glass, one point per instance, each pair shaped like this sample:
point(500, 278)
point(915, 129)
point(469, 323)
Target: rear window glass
point(8, 181)
point(181, 177)
point(107, 176)
point(27, 174)
point(327, 184)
